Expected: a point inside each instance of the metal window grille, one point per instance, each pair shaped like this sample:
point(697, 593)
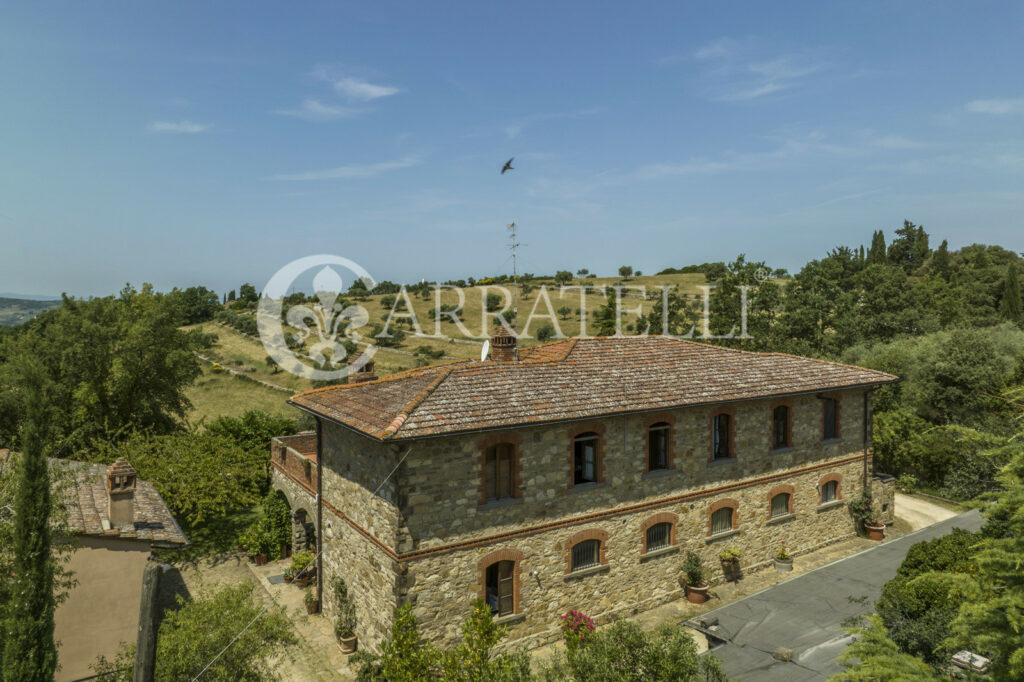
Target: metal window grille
point(780, 505)
point(586, 554)
point(658, 536)
point(721, 521)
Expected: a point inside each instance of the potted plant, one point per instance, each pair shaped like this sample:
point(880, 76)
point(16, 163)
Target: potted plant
point(344, 618)
point(694, 584)
point(256, 543)
point(302, 568)
point(783, 560)
point(730, 558)
point(310, 600)
point(864, 515)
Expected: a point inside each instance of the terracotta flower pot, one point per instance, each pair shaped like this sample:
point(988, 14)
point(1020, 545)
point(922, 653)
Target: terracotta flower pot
point(260, 559)
point(301, 581)
point(348, 644)
point(875, 532)
point(312, 607)
point(784, 565)
point(697, 594)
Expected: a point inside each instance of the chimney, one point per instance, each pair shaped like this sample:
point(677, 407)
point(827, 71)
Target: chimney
point(121, 494)
point(503, 345)
point(365, 373)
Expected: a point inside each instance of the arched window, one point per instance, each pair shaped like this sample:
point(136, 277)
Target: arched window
point(780, 505)
point(499, 471)
point(585, 455)
point(586, 554)
point(657, 446)
point(829, 491)
point(500, 588)
point(780, 427)
point(720, 431)
point(659, 536)
point(721, 520)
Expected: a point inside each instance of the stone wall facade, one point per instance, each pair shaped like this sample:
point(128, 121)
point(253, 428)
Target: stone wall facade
point(427, 534)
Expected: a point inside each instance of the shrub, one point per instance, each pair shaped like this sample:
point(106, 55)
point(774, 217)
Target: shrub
point(860, 509)
point(302, 562)
point(545, 332)
point(576, 628)
point(730, 554)
point(345, 615)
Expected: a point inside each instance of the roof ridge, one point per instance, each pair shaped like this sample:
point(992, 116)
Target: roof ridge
point(391, 429)
point(394, 376)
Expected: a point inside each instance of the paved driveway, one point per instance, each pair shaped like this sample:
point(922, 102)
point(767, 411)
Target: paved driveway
point(805, 614)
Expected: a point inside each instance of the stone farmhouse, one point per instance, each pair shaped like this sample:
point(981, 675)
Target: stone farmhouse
point(571, 475)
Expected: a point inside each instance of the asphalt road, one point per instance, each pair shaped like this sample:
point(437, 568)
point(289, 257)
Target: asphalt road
point(806, 614)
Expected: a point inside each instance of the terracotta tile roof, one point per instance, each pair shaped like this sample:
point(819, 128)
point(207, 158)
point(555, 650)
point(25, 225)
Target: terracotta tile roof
point(86, 502)
point(573, 379)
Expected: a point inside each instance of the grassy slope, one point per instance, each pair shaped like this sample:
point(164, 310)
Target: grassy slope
point(14, 311)
point(222, 394)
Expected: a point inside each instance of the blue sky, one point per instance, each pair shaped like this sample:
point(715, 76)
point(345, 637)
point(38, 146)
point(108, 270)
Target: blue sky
point(210, 143)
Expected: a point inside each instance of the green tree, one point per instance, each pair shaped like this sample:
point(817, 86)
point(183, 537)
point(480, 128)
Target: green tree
point(564, 312)
point(622, 652)
point(404, 656)
point(30, 653)
point(563, 277)
point(247, 293)
point(253, 430)
point(873, 657)
point(545, 332)
point(475, 659)
point(991, 624)
point(1010, 305)
point(941, 264)
point(877, 252)
point(605, 316)
point(626, 271)
point(909, 249)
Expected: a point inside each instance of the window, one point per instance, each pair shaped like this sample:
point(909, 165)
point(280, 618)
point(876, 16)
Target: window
point(659, 536)
point(500, 586)
point(720, 436)
point(780, 505)
point(830, 406)
point(829, 491)
point(585, 458)
point(721, 520)
point(657, 446)
point(780, 426)
point(586, 554)
point(499, 473)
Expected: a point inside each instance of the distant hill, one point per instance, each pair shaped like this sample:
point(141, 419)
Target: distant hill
point(14, 311)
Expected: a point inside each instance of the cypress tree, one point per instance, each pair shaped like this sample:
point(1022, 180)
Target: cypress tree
point(30, 654)
point(940, 261)
point(1010, 307)
point(876, 254)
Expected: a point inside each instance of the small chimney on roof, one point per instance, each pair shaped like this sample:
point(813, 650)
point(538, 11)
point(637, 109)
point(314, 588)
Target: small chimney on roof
point(121, 494)
point(364, 373)
point(503, 345)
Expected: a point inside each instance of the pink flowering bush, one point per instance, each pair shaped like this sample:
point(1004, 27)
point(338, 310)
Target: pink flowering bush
point(576, 627)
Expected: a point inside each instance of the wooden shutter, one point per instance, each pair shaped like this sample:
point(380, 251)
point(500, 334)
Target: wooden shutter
point(506, 585)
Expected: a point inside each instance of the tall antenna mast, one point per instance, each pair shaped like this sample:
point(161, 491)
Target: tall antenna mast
point(515, 286)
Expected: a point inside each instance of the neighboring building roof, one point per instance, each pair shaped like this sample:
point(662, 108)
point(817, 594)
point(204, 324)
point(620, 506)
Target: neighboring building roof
point(86, 503)
point(574, 379)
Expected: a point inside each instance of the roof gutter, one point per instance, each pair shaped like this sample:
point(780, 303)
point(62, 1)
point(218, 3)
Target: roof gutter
point(605, 415)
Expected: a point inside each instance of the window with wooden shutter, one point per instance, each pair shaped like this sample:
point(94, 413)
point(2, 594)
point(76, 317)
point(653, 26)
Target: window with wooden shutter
point(831, 414)
point(500, 592)
point(780, 426)
point(500, 471)
point(720, 436)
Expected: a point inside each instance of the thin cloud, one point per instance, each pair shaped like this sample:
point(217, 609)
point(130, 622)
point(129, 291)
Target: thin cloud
point(351, 172)
point(363, 90)
point(996, 106)
point(736, 72)
point(178, 127)
point(315, 110)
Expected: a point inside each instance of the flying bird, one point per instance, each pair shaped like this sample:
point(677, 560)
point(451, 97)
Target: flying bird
point(508, 165)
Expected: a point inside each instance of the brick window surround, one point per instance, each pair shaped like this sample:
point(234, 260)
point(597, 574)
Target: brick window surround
point(839, 413)
point(722, 504)
point(731, 411)
point(513, 555)
point(516, 441)
point(670, 442)
point(660, 517)
point(592, 534)
point(580, 429)
point(778, 490)
point(838, 478)
point(788, 404)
